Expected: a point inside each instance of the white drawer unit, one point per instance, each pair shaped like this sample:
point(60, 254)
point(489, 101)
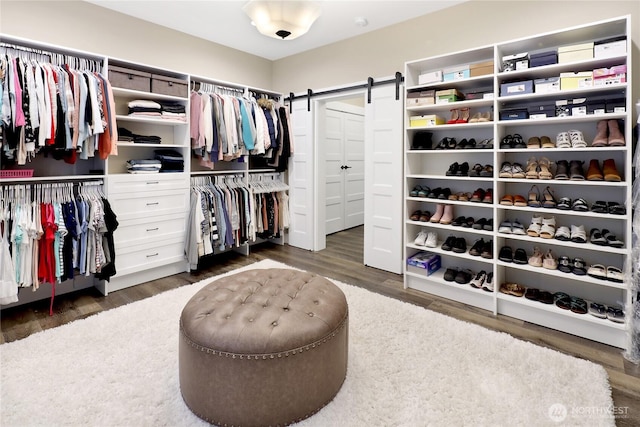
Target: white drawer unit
point(143, 205)
point(134, 258)
point(137, 231)
point(143, 184)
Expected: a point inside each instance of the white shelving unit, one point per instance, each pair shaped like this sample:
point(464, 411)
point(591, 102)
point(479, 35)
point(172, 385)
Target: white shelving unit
point(427, 168)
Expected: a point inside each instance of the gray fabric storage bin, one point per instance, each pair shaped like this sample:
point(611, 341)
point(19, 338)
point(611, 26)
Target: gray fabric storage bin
point(169, 86)
point(126, 78)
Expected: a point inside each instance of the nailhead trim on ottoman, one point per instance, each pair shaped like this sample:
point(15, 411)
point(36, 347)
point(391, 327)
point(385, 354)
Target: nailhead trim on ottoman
point(263, 347)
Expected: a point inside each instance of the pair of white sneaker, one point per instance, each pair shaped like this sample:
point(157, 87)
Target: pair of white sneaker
point(429, 239)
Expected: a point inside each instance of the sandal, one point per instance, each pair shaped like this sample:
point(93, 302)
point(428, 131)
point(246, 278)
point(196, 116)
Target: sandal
point(476, 169)
point(487, 171)
point(532, 168)
point(578, 305)
point(564, 264)
point(548, 228)
point(549, 199)
point(579, 267)
point(505, 170)
point(611, 238)
point(425, 216)
point(598, 271)
point(518, 228)
point(415, 216)
point(564, 204)
point(580, 205)
point(534, 197)
point(534, 227)
point(577, 139)
point(507, 200)
point(600, 207)
point(543, 165)
point(414, 192)
point(535, 260)
point(518, 142)
point(596, 237)
point(533, 142)
point(563, 233)
point(598, 310)
point(562, 300)
point(546, 142)
point(520, 201)
point(615, 314)
point(512, 289)
point(563, 140)
point(532, 293)
point(614, 274)
point(616, 208)
point(507, 142)
point(517, 171)
point(549, 262)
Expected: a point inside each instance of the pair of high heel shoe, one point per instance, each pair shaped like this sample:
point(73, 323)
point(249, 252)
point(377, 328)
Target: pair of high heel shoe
point(459, 115)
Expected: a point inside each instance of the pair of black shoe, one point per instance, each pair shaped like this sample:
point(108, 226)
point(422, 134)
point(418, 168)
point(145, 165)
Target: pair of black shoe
point(507, 255)
point(456, 169)
point(482, 248)
point(422, 140)
point(439, 193)
point(455, 244)
point(459, 276)
point(483, 224)
point(462, 221)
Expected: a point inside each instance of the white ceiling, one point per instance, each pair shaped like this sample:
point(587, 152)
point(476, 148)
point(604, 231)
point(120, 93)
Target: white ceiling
point(225, 23)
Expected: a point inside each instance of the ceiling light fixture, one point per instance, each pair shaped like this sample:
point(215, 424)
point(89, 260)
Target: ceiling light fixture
point(282, 19)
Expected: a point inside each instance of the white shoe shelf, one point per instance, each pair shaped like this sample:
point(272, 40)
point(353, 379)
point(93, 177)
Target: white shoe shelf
point(427, 168)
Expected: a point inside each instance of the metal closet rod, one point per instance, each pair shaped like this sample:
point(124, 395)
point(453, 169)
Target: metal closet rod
point(54, 56)
point(370, 83)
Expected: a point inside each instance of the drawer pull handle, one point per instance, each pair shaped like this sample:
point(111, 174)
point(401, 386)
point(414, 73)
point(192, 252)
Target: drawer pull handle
point(152, 255)
point(153, 182)
point(152, 204)
point(152, 229)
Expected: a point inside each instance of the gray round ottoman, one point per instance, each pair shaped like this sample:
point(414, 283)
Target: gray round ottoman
point(263, 347)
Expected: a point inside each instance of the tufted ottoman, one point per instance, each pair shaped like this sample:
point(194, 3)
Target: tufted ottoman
point(263, 347)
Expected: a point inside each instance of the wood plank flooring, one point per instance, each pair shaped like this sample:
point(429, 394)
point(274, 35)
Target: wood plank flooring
point(343, 261)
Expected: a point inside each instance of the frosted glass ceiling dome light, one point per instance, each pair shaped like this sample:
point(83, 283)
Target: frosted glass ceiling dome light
point(282, 19)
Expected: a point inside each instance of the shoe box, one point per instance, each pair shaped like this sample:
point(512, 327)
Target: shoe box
point(608, 76)
point(607, 48)
point(518, 61)
point(448, 95)
point(430, 77)
point(514, 113)
point(458, 72)
point(425, 120)
point(419, 98)
point(549, 85)
point(575, 52)
point(481, 69)
point(516, 88)
point(577, 80)
point(541, 111)
point(426, 260)
point(539, 59)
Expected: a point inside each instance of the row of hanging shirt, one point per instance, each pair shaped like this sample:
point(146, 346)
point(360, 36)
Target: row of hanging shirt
point(225, 127)
point(50, 231)
point(226, 212)
point(68, 109)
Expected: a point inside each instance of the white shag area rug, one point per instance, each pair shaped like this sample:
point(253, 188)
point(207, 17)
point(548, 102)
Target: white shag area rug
point(407, 367)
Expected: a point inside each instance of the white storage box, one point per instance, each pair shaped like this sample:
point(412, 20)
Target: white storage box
point(430, 77)
point(550, 85)
point(608, 49)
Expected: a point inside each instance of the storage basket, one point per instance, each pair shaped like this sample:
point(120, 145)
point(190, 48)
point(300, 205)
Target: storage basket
point(17, 173)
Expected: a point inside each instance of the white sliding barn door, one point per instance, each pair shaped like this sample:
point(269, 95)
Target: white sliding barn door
point(383, 180)
point(301, 178)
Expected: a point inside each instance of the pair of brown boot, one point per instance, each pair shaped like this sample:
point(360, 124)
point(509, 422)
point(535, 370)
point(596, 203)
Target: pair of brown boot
point(607, 173)
point(608, 134)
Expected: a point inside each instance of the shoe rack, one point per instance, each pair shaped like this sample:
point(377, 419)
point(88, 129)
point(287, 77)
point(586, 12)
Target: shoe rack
point(516, 163)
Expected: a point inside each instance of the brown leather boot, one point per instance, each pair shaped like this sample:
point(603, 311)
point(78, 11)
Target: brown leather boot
point(600, 139)
point(616, 138)
point(594, 173)
point(610, 171)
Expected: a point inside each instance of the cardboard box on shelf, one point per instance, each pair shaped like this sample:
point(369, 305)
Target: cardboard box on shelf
point(426, 260)
point(575, 52)
point(459, 72)
point(578, 80)
point(608, 76)
point(549, 85)
point(608, 48)
point(481, 69)
point(430, 77)
point(425, 120)
point(516, 88)
point(518, 61)
point(541, 59)
point(418, 98)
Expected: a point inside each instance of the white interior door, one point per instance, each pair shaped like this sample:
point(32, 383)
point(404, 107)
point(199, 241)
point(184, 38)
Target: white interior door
point(343, 148)
point(301, 178)
point(383, 180)
point(334, 175)
point(354, 170)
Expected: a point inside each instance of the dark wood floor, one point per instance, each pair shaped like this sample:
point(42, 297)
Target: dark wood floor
point(342, 260)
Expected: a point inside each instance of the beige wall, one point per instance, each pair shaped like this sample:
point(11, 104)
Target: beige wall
point(381, 53)
point(469, 25)
point(84, 26)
